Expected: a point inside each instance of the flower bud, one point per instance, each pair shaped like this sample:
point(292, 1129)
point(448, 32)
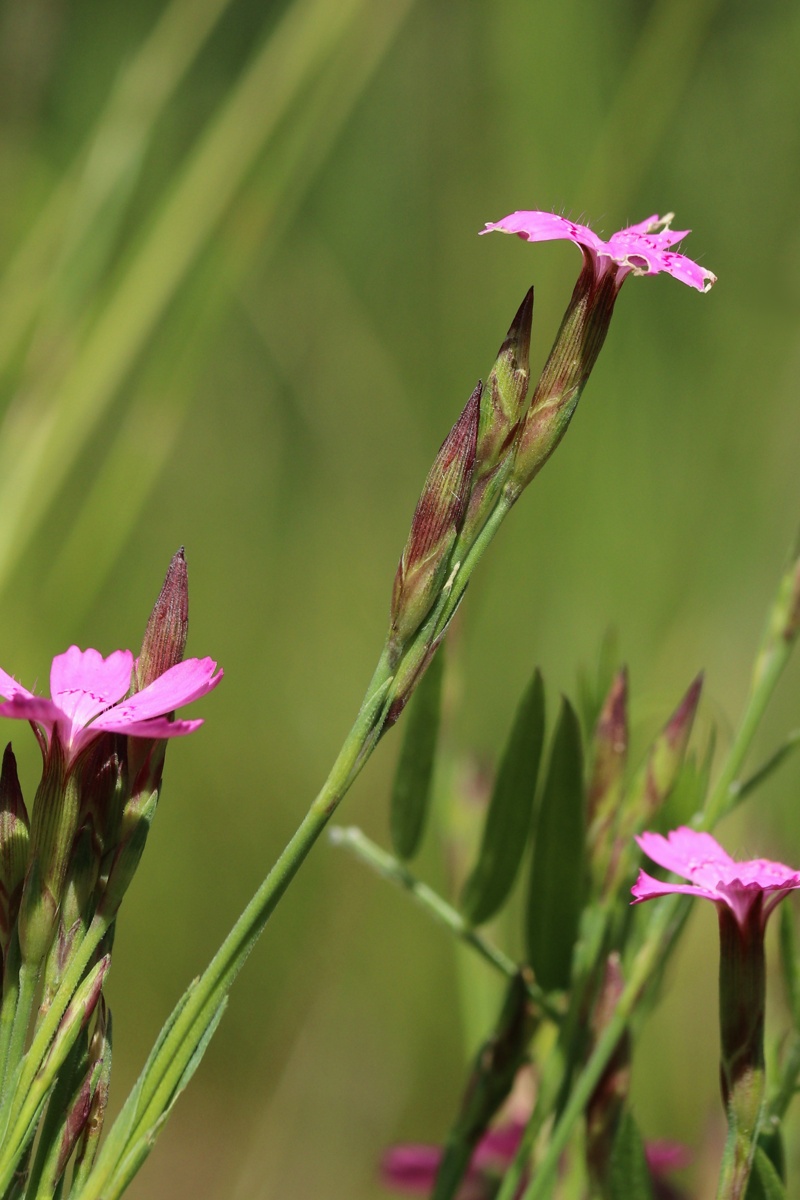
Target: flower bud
point(14, 839)
point(610, 753)
point(165, 636)
point(502, 407)
point(574, 353)
point(667, 754)
point(435, 526)
point(74, 914)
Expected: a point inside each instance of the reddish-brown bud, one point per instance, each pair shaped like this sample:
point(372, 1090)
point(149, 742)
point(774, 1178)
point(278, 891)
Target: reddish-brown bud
point(437, 520)
point(164, 641)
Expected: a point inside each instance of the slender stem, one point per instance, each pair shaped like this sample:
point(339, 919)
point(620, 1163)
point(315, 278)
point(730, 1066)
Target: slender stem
point(28, 978)
point(396, 872)
point(166, 1070)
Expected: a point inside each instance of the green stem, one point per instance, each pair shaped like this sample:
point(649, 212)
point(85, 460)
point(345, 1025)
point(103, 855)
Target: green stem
point(28, 978)
point(168, 1067)
point(396, 872)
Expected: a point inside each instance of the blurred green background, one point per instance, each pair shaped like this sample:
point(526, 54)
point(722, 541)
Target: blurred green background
point(242, 302)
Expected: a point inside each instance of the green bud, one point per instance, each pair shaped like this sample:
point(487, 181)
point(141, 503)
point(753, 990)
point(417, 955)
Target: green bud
point(165, 636)
point(668, 752)
point(435, 526)
point(55, 817)
point(14, 839)
point(574, 353)
point(502, 407)
point(126, 857)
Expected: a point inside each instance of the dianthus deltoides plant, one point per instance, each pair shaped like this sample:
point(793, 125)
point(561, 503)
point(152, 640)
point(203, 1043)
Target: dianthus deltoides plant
point(593, 962)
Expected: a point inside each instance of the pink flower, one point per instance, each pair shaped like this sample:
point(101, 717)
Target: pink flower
point(90, 697)
point(412, 1168)
point(713, 874)
point(644, 249)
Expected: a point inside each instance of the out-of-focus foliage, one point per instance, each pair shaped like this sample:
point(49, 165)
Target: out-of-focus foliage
point(242, 301)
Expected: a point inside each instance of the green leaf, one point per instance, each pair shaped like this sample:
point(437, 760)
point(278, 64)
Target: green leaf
point(508, 819)
point(557, 882)
point(629, 1174)
point(411, 790)
point(765, 1182)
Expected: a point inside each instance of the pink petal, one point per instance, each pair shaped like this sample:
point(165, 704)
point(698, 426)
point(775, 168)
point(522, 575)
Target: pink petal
point(83, 683)
point(10, 688)
point(32, 708)
point(545, 227)
point(181, 684)
point(412, 1167)
point(664, 1156)
point(643, 248)
point(647, 888)
point(685, 851)
point(155, 727)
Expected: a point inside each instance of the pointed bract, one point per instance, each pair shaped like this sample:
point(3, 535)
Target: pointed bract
point(435, 526)
point(164, 641)
point(14, 841)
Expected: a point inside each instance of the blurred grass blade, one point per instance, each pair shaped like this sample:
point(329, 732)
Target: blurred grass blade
point(594, 683)
point(411, 789)
point(750, 785)
point(689, 793)
point(37, 453)
point(557, 881)
point(629, 1174)
point(103, 169)
point(149, 431)
point(508, 820)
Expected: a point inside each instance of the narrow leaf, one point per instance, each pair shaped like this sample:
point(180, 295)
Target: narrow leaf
point(508, 819)
point(411, 790)
point(765, 1182)
point(630, 1177)
point(557, 882)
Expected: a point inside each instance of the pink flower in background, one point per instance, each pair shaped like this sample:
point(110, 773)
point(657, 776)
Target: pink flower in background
point(412, 1168)
point(644, 249)
point(713, 874)
point(90, 697)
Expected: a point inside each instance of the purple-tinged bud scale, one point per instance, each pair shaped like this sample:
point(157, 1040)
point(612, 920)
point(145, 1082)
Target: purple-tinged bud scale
point(435, 526)
point(164, 641)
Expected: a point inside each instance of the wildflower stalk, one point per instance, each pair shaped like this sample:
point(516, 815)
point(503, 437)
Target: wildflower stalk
point(390, 868)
